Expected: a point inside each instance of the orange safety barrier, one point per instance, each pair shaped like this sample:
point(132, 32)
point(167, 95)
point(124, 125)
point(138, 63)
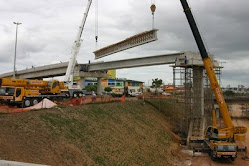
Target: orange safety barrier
point(72, 102)
point(122, 99)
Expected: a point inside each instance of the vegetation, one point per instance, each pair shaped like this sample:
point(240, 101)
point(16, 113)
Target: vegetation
point(132, 133)
point(173, 112)
point(108, 89)
point(229, 93)
point(156, 83)
point(91, 88)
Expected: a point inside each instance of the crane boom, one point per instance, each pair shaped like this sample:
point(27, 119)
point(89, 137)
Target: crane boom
point(208, 66)
point(76, 46)
point(217, 140)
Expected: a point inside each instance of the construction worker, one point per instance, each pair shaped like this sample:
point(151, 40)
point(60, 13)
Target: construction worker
point(93, 96)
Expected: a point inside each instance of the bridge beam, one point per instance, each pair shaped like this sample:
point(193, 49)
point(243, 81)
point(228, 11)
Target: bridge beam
point(46, 71)
point(59, 69)
point(136, 62)
point(133, 41)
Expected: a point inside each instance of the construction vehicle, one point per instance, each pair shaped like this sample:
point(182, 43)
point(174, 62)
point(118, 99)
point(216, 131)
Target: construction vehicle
point(25, 93)
point(219, 142)
point(74, 89)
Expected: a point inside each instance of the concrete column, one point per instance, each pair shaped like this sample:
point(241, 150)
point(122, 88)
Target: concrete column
point(99, 87)
point(82, 82)
point(198, 92)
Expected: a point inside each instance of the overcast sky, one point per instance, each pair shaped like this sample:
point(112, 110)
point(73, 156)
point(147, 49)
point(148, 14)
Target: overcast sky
point(49, 28)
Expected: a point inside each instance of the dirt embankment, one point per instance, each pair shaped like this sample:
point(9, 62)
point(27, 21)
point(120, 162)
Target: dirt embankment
point(130, 133)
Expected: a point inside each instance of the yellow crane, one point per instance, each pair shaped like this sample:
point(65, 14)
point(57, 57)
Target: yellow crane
point(25, 92)
point(220, 142)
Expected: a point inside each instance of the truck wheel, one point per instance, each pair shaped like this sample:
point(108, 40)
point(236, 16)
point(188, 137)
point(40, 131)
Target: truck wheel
point(232, 158)
point(67, 95)
point(59, 99)
point(26, 103)
point(212, 156)
point(80, 94)
point(35, 101)
point(19, 105)
point(75, 95)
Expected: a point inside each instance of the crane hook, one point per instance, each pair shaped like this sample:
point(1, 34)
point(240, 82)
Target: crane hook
point(153, 9)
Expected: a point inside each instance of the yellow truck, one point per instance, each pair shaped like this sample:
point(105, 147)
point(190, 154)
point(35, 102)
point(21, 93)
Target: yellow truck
point(25, 92)
point(222, 149)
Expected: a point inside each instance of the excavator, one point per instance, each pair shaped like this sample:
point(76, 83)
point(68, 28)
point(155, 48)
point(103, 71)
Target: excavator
point(219, 142)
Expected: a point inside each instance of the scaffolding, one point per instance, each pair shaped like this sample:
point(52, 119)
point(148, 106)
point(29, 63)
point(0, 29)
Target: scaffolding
point(245, 110)
point(192, 89)
point(182, 82)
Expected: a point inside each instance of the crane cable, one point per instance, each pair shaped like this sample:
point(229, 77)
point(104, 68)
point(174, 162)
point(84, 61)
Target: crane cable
point(153, 9)
point(96, 22)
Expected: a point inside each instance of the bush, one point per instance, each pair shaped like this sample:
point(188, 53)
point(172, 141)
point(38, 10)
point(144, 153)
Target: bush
point(108, 89)
point(229, 93)
point(91, 88)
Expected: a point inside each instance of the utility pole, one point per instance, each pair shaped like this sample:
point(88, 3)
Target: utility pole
point(17, 23)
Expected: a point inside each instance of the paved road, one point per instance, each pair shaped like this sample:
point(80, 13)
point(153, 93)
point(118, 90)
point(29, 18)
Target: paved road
point(14, 163)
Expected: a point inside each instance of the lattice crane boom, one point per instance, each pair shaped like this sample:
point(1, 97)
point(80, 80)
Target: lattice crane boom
point(76, 46)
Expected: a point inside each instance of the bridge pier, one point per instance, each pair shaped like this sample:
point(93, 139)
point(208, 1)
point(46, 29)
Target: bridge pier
point(99, 87)
point(197, 121)
point(82, 82)
point(98, 75)
point(191, 76)
point(198, 92)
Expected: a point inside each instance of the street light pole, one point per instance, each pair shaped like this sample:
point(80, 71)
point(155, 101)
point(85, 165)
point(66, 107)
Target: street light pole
point(17, 23)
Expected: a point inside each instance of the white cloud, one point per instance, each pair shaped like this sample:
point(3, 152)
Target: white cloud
point(49, 28)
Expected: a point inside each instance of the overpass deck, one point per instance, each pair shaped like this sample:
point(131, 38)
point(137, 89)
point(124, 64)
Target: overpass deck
point(59, 69)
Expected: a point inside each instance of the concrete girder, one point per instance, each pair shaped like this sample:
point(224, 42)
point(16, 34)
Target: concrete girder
point(136, 62)
point(60, 68)
point(92, 74)
point(133, 41)
point(40, 72)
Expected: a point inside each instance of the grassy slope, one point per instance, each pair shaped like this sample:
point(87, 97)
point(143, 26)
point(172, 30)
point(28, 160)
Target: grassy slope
point(173, 112)
point(99, 134)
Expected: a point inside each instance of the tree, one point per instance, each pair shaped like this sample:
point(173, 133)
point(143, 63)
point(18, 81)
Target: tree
point(229, 93)
point(91, 88)
point(156, 83)
point(108, 89)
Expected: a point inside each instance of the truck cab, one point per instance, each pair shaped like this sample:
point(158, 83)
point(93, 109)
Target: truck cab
point(6, 94)
point(223, 149)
